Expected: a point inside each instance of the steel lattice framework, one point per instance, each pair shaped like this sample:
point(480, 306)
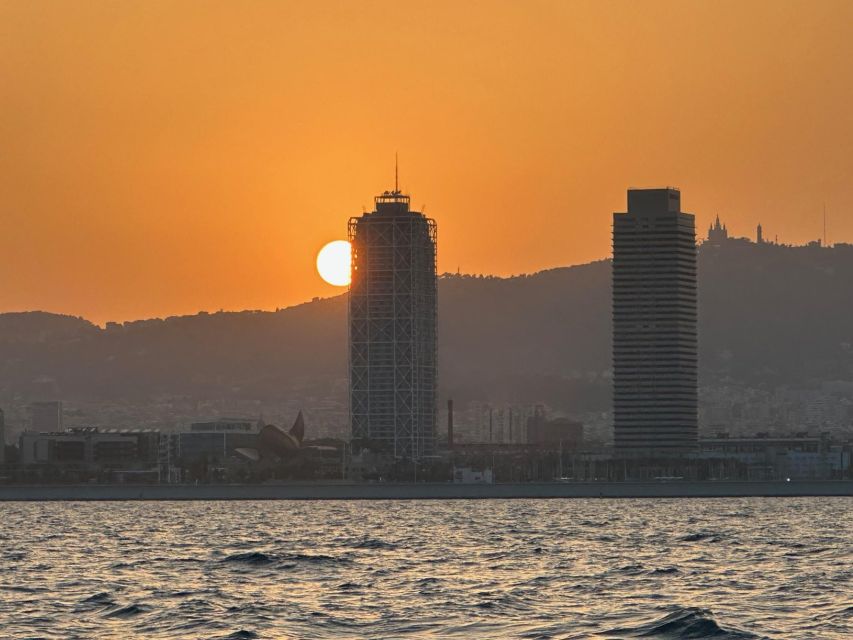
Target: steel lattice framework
point(392, 328)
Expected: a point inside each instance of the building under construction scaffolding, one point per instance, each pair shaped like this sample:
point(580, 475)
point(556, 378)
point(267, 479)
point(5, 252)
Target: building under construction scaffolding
point(392, 328)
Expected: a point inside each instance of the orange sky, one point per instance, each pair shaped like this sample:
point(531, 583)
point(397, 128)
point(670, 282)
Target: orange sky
point(161, 158)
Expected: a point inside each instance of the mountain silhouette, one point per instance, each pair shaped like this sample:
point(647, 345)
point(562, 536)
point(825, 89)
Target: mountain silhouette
point(769, 315)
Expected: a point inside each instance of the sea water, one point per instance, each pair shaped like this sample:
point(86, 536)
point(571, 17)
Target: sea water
point(673, 568)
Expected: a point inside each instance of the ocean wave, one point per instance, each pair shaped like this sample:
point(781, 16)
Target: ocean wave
point(250, 557)
point(130, 611)
point(372, 543)
point(349, 586)
point(318, 558)
point(22, 589)
point(102, 598)
point(701, 536)
point(686, 623)
point(593, 523)
point(631, 569)
point(259, 558)
point(806, 552)
point(242, 634)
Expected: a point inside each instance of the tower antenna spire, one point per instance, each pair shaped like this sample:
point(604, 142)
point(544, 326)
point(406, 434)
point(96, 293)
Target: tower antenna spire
point(396, 174)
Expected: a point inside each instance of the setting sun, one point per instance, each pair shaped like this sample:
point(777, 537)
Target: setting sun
point(333, 263)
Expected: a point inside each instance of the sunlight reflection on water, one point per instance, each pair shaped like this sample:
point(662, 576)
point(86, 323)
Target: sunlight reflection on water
point(735, 568)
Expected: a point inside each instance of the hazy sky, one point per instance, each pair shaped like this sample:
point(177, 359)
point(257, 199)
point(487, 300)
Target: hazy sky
point(161, 158)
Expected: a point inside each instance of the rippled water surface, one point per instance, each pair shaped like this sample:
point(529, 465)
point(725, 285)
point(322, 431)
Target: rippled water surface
point(724, 568)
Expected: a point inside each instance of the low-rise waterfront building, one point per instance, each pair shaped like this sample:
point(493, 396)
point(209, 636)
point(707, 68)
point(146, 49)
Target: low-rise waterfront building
point(765, 457)
point(89, 447)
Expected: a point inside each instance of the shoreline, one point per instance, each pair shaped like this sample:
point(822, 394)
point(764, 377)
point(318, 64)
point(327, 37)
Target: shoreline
point(428, 491)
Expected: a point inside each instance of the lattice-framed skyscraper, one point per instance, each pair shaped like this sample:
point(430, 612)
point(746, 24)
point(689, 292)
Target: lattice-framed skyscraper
point(392, 328)
point(655, 372)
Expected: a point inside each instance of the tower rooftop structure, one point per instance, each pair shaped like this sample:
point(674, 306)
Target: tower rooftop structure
point(645, 202)
point(392, 202)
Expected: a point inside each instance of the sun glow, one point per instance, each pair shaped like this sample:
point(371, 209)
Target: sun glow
point(333, 263)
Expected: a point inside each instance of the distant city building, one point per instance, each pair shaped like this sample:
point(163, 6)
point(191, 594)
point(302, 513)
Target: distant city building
point(759, 234)
point(46, 417)
point(766, 457)
point(654, 325)
point(556, 433)
point(485, 423)
point(392, 328)
point(717, 233)
point(88, 447)
point(231, 425)
point(213, 442)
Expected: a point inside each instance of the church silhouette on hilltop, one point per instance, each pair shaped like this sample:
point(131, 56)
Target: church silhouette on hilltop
point(718, 234)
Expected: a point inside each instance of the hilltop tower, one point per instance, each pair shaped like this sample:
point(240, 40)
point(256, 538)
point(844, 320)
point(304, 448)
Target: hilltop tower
point(392, 328)
point(654, 325)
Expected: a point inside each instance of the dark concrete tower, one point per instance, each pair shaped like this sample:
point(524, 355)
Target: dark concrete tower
point(654, 325)
point(392, 328)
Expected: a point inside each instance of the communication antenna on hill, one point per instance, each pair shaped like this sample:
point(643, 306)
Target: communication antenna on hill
point(824, 225)
point(396, 174)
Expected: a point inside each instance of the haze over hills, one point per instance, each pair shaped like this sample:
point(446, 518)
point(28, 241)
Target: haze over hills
point(769, 315)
